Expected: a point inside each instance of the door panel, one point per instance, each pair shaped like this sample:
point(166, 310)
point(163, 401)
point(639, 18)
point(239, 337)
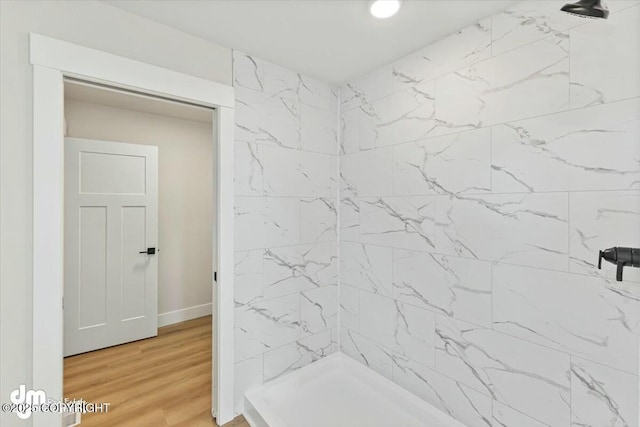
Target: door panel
point(105, 173)
point(93, 267)
point(134, 264)
point(111, 215)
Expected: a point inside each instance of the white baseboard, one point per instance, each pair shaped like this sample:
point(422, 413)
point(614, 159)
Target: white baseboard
point(171, 317)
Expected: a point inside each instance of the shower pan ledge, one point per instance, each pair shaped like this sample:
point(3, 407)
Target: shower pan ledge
point(337, 391)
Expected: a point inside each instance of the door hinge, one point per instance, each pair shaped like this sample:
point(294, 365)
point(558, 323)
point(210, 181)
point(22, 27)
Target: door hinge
point(215, 276)
point(63, 303)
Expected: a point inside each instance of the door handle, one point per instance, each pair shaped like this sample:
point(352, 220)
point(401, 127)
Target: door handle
point(149, 251)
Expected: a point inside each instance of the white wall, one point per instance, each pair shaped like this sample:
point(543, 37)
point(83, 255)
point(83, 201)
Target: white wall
point(480, 177)
point(91, 24)
point(185, 202)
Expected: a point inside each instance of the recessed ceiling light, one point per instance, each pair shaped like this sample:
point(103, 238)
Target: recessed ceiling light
point(384, 8)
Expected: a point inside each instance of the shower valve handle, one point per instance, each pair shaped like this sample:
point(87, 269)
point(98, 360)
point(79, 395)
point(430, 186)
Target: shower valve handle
point(621, 257)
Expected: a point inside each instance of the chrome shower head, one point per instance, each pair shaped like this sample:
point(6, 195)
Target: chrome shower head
point(587, 9)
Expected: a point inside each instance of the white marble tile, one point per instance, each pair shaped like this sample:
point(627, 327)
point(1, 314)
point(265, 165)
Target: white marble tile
point(588, 149)
point(527, 377)
point(266, 325)
point(403, 328)
point(248, 71)
point(254, 73)
point(455, 287)
point(265, 118)
point(318, 218)
point(281, 80)
point(449, 164)
point(577, 314)
point(367, 173)
point(282, 221)
point(349, 219)
point(602, 396)
point(378, 319)
point(400, 222)
point(598, 221)
point(368, 120)
point(504, 416)
point(617, 6)
point(448, 54)
point(366, 89)
point(298, 268)
point(297, 354)
point(605, 59)
point(334, 176)
point(248, 276)
point(460, 402)
point(319, 130)
point(349, 131)
point(366, 267)
point(526, 82)
point(350, 97)
point(293, 173)
point(249, 223)
point(527, 22)
point(248, 375)
point(414, 335)
point(318, 93)
point(292, 85)
point(499, 227)
point(349, 307)
point(366, 352)
point(403, 116)
point(319, 309)
point(248, 170)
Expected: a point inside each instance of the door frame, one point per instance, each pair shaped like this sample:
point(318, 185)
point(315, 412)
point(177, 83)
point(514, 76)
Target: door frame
point(52, 61)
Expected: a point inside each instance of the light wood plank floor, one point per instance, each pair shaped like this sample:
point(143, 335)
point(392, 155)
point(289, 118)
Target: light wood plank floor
point(158, 382)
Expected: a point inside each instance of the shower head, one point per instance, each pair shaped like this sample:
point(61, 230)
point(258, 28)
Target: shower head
point(587, 9)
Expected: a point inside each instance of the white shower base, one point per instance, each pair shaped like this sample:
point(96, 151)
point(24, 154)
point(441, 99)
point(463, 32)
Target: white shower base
point(338, 392)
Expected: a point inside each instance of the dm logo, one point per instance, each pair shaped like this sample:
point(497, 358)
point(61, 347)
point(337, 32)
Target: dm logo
point(25, 400)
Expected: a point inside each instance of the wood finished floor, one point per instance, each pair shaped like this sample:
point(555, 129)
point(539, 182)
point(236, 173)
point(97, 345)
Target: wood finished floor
point(158, 382)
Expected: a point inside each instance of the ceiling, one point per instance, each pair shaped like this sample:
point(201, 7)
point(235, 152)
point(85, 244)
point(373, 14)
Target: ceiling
point(86, 92)
point(333, 40)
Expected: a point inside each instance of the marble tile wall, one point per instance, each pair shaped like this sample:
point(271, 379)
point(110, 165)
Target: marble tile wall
point(286, 198)
point(479, 178)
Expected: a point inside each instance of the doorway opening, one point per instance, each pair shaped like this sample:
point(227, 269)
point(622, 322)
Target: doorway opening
point(140, 243)
point(53, 61)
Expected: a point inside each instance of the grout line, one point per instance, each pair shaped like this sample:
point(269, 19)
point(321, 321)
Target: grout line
point(491, 160)
point(571, 388)
point(569, 231)
point(492, 296)
point(359, 310)
point(299, 319)
point(435, 349)
point(569, 103)
point(339, 217)
point(492, 20)
point(477, 195)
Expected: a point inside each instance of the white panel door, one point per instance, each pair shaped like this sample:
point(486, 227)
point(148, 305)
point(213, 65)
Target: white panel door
point(111, 220)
